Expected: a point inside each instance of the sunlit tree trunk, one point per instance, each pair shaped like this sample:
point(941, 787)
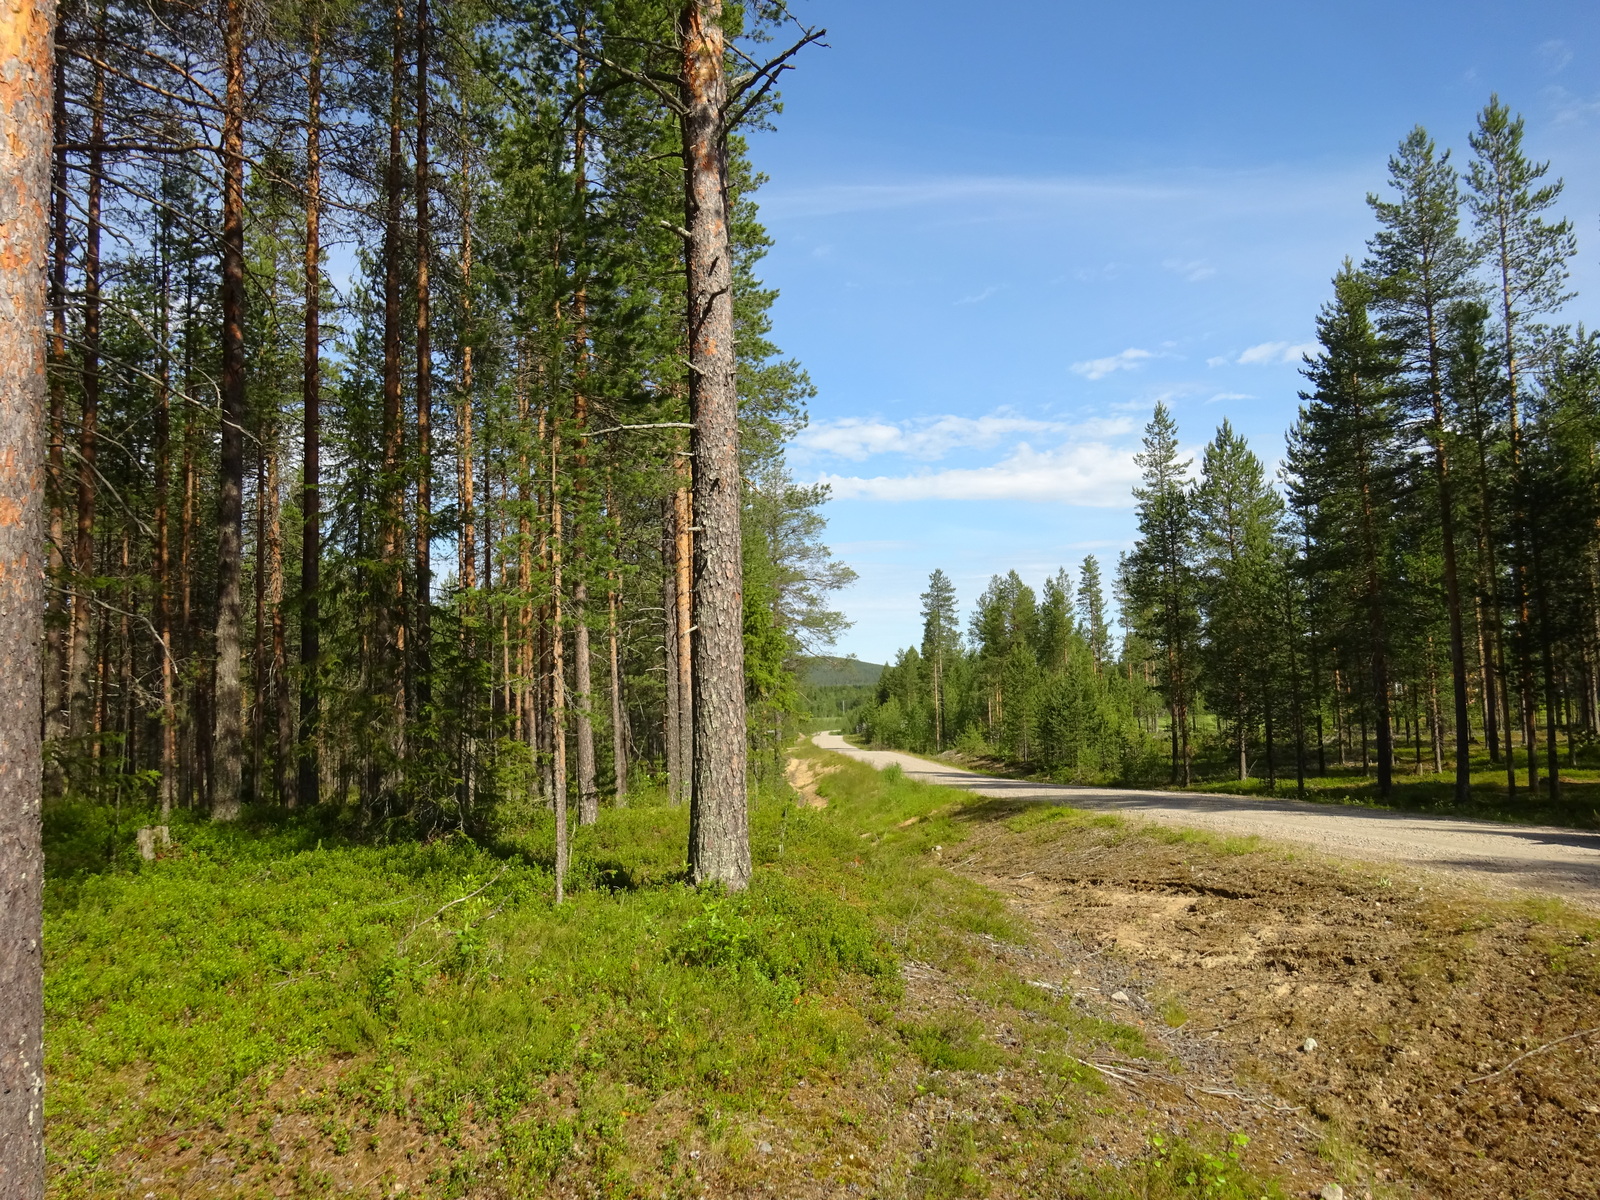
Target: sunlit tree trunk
point(26, 36)
point(389, 606)
point(422, 621)
point(719, 836)
point(558, 678)
point(226, 738)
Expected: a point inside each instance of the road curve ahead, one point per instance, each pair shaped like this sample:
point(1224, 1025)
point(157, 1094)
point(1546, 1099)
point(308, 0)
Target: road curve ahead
point(1537, 858)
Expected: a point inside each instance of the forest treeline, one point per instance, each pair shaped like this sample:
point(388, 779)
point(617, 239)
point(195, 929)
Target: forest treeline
point(1421, 581)
point(395, 458)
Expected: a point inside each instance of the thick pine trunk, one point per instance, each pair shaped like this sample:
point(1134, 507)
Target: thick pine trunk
point(25, 112)
point(226, 737)
point(719, 834)
point(308, 783)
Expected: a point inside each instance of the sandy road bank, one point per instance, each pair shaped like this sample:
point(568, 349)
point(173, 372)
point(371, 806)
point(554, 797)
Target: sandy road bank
point(1539, 858)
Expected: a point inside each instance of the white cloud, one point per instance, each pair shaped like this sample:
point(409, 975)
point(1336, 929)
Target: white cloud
point(1099, 368)
point(978, 297)
point(1220, 360)
point(1093, 474)
point(1556, 54)
point(931, 438)
point(1222, 396)
point(1194, 270)
point(1275, 353)
point(1570, 108)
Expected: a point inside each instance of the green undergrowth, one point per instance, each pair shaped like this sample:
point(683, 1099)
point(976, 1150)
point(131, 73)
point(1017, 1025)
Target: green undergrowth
point(290, 965)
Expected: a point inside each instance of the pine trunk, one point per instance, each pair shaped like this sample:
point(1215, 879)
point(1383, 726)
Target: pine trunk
point(422, 622)
point(226, 736)
point(671, 734)
point(58, 613)
point(682, 626)
point(389, 605)
point(161, 552)
point(80, 685)
point(26, 36)
point(558, 677)
point(308, 783)
point(719, 835)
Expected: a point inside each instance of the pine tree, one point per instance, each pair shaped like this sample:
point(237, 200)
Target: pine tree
point(26, 36)
point(1161, 577)
point(1092, 612)
point(1527, 258)
point(941, 637)
point(1345, 463)
point(1238, 515)
point(1422, 265)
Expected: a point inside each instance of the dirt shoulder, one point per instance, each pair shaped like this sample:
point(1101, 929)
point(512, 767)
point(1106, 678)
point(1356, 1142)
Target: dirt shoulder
point(1419, 1025)
point(1506, 859)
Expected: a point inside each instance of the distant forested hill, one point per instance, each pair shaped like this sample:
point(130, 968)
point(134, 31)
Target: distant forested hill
point(828, 671)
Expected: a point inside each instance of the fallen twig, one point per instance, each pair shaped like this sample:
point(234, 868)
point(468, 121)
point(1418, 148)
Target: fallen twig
point(1106, 1071)
point(1582, 1033)
point(444, 908)
point(1249, 1099)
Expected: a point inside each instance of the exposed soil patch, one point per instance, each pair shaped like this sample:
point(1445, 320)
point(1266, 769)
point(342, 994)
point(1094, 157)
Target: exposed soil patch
point(803, 774)
point(1371, 1001)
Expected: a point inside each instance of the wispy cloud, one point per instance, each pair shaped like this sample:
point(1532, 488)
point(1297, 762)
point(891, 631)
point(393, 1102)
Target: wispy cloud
point(1569, 108)
point(1194, 269)
point(978, 297)
point(932, 438)
point(1274, 353)
point(1222, 397)
point(1098, 368)
point(1555, 54)
point(1093, 474)
point(1236, 192)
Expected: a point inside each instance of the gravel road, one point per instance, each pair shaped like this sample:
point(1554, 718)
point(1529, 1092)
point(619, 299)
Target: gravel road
point(1535, 858)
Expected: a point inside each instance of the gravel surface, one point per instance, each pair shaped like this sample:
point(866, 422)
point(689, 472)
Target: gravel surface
point(1536, 858)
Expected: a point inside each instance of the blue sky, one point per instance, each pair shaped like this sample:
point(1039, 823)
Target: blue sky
point(1005, 231)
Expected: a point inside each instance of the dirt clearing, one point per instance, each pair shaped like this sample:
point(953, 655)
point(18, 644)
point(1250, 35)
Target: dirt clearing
point(1400, 1014)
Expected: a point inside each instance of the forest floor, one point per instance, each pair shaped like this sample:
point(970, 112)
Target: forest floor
point(924, 993)
point(290, 1007)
